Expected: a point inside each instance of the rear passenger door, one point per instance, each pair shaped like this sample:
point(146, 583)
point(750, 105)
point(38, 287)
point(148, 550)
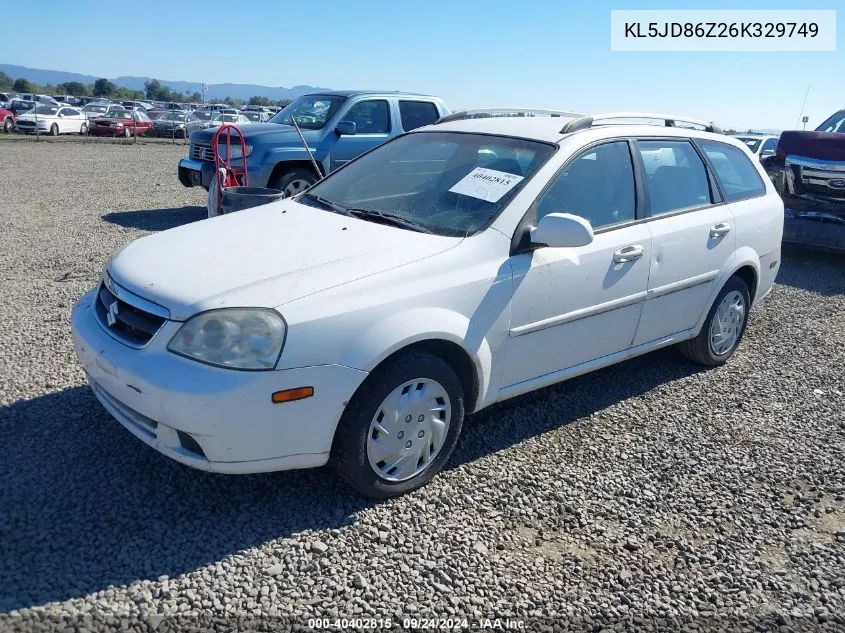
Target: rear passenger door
point(692, 235)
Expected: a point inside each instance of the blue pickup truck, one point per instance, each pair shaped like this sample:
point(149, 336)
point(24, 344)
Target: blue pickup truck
point(337, 125)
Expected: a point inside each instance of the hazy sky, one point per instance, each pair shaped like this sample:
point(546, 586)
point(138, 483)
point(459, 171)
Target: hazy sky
point(537, 53)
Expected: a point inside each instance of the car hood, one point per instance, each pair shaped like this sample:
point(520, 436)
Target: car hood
point(280, 133)
point(818, 145)
point(264, 257)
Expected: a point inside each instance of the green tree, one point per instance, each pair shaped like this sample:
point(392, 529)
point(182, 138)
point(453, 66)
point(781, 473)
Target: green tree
point(103, 88)
point(153, 89)
point(6, 82)
point(283, 102)
point(73, 88)
point(23, 85)
point(259, 101)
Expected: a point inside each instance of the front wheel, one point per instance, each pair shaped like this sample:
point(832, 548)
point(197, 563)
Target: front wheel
point(401, 426)
point(723, 329)
point(8, 125)
point(83, 130)
point(293, 181)
point(54, 130)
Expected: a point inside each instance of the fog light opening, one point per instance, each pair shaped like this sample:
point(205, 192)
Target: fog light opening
point(190, 444)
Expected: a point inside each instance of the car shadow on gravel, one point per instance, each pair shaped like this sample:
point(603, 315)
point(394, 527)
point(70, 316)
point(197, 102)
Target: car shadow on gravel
point(85, 505)
point(156, 219)
point(812, 270)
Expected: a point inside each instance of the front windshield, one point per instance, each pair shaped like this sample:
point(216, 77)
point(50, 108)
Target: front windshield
point(121, 114)
point(94, 108)
point(836, 123)
point(311, 112)
point(447, 183)
point(45, 109)
point(203, 116)
point(750, 142)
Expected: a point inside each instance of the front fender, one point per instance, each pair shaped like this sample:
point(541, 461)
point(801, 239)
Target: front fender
point(397, 331)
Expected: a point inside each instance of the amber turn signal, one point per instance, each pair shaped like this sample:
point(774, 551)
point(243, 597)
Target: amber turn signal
point(289, 395)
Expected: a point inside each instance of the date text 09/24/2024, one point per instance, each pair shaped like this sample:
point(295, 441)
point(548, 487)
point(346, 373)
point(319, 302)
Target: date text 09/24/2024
point(418, 624)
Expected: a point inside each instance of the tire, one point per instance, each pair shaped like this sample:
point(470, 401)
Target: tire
point(83, 130)
point(54, 130)
point(8, 125)
point(127, 133)
point(701, 348)
point(357, 432)
point(295, 180)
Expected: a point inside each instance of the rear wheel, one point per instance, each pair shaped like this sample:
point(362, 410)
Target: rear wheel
point(127, 132)
point(723, 329)
point(54, 130)
point(400, 427)
point(83, 130)
point(8, 125)
point(293, 181)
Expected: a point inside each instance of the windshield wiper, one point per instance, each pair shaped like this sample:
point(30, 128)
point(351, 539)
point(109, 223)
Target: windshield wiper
point(388, 218)
point(328, 204)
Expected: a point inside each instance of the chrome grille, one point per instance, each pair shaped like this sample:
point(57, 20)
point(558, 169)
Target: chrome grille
point(201, 152)
point(128, 323)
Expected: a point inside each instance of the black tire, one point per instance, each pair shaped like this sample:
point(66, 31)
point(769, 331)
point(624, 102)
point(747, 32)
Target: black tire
point(699, 349)
point(349, 451)
point(127, 133)
point(83, 129)
point(54, 130)
point(8, 125)
point(284, 179)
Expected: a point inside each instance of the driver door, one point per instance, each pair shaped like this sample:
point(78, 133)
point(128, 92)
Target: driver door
point(373, 126)
point(574, 305)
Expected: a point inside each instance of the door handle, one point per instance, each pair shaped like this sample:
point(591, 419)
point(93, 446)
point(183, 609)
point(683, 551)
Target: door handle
point(720, 229)
point(628, 254)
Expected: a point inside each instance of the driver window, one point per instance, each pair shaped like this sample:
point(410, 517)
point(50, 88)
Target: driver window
point(370, 117)
point(597, 185)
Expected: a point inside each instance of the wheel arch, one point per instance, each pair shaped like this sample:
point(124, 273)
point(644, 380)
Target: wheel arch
point(745, 265)
point(286, 165)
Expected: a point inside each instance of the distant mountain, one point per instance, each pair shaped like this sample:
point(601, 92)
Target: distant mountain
point(215, 91)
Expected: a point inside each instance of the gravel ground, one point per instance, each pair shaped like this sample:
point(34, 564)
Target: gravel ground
point(650, 494)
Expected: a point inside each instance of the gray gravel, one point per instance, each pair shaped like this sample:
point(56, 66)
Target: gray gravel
point(650, 494)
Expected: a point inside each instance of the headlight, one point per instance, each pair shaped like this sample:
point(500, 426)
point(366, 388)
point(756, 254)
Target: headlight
point(236, 150)
point(237, 338)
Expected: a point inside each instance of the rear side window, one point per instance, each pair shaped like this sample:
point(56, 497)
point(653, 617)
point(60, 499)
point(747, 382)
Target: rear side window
point(677, 178)
point(735, 171)
point(417, 113)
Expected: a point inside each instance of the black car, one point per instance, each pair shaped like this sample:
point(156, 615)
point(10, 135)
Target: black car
point(178, 124)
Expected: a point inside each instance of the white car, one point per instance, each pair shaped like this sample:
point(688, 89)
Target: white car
point(453, 267)
point(761, 145)
point(53, 120)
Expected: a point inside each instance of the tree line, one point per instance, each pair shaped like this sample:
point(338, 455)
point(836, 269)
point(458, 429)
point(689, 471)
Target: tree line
point(153, 91)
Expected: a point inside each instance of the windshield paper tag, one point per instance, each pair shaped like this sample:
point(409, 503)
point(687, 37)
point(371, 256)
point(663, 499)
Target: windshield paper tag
point(486, 184)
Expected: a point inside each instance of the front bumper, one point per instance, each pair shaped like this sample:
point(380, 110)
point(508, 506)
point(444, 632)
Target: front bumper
point(817, 229)
point(177, 405)
point(196, 173)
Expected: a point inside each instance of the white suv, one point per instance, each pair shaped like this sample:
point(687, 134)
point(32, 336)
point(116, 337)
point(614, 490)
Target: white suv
point(458, 265)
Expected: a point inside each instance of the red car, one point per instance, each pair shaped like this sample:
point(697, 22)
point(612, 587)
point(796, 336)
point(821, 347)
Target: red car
point(125, 123)
point(7, 118)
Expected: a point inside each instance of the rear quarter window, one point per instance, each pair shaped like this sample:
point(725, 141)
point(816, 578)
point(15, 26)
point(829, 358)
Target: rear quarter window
point(416, 114)
point(736, 173)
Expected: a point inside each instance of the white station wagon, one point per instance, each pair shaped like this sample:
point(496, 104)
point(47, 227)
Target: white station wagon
point(455, 266)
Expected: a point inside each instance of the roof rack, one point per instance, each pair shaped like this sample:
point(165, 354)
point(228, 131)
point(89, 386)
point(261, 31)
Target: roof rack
point(669, 120)
point(486, 113)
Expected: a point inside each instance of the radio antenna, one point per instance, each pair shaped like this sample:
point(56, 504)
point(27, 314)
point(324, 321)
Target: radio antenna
point(801, 116)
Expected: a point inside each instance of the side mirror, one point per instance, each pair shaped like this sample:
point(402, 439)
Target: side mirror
point(560, 230)
point(346, 128)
